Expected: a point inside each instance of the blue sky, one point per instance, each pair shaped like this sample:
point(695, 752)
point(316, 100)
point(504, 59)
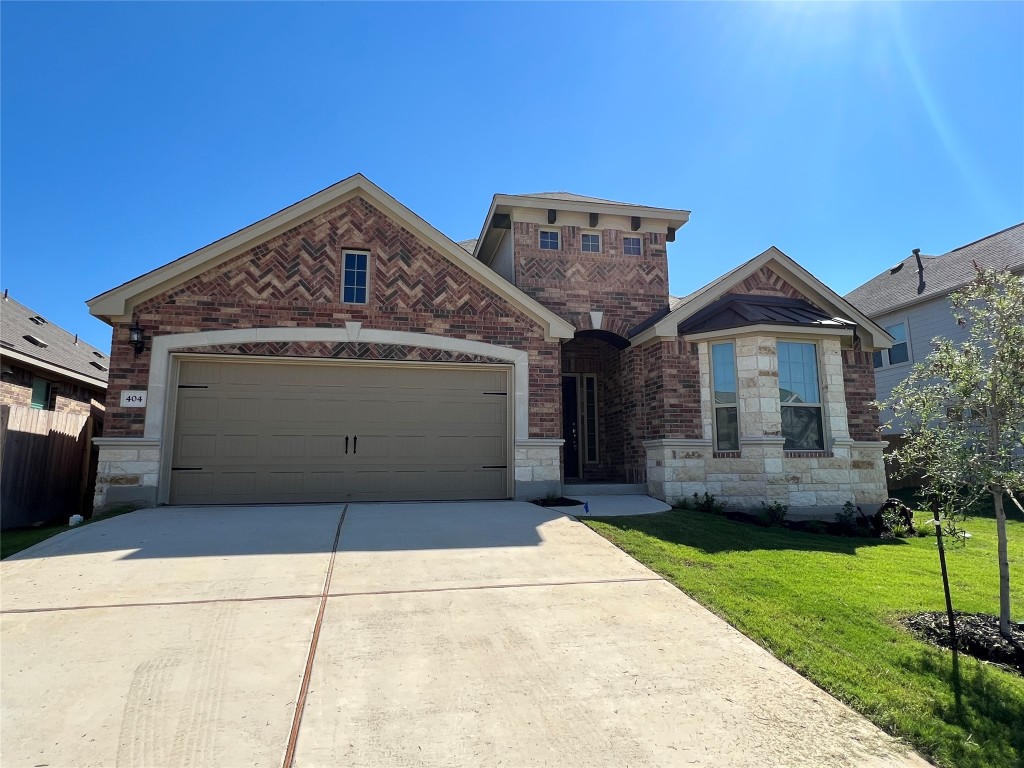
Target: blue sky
point(844, 134)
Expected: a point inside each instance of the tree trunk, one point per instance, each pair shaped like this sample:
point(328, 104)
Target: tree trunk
point(1004, 564)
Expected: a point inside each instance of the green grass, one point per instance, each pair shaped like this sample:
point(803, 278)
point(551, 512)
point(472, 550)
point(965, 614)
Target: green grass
point(14, 541)
point(828, 606)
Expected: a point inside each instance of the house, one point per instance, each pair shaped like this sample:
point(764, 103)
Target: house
point(911, 302)
point(46, 367)
point(344, 349)
point(52, 392)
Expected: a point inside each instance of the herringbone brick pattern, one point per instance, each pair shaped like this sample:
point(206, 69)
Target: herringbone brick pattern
point(293, 279)
point(765, 282)
point(571, 283)
point(346, 350)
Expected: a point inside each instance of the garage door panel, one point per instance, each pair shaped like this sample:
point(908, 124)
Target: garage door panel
point(262, 431)
point(238, 446)
point(193, 447)
point(239, 409)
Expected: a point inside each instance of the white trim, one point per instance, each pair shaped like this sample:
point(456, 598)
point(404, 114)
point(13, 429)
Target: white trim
point(49, 367)
point(556, 231)
point(125, 442)
point(766, 329)
point(678, 442)
point(635, 236)
point(158, 403)
point(117, 303)
point(887, 354)
point(368, 271)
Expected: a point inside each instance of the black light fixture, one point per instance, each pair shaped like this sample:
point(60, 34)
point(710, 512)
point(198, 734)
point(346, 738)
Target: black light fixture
point(136, 337)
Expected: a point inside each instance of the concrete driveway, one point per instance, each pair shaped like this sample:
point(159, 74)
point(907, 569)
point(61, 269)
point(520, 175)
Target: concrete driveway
point(477, 634)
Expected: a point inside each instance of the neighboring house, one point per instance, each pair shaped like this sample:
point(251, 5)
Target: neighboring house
point(52, 392)
point(344, 349)
point(911, 301)
point(46, 367)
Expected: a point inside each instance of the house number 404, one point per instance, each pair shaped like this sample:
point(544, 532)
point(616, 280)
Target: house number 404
point(133, 399)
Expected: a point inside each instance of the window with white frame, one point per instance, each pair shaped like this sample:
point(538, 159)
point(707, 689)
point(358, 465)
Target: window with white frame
point(724, 395)
point(591, 243)
point(800, 397)
point(900, 350)
point(549, 240)
point(632, 246)
point(356, 277)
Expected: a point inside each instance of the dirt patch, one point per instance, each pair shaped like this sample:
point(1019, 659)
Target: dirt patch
point(977, 635)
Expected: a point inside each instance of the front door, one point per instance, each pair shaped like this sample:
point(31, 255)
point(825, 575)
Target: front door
point(570, 428)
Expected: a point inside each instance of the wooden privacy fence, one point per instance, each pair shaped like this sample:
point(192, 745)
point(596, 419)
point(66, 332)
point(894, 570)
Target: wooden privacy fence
point(45, 460)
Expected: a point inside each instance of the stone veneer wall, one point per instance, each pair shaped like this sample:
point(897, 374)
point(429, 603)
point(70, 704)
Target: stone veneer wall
point(851, 470)
point(293, 280)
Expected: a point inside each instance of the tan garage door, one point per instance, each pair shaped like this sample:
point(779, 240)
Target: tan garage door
point(256, 431)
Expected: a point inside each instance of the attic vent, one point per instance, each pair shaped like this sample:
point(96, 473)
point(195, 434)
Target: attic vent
point(35, 340)
point(98, 367)
point(38, 320)
point(98, 355)
point(8, 344)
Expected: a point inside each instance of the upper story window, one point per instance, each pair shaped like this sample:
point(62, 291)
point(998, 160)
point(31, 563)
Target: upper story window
point(800, 397)
point(548, 240)
point(632, 246)
point(591, 243)
point(900, 350)
point(726, 407)
point(354, 290)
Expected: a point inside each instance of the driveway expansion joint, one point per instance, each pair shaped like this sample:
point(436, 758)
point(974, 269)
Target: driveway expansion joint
point(300, 702)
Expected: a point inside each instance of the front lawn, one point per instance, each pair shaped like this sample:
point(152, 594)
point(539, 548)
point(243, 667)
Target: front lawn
point(829, 607)
point(14, 541)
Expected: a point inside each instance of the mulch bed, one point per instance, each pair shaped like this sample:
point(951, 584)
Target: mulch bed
point(977, 636)
point(561, 501)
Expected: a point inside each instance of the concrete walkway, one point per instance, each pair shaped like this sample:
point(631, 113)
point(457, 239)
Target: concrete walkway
point(479, 634)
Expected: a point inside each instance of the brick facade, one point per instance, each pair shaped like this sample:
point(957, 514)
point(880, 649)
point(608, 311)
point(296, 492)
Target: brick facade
point(859, 380)
point(293, 280)
point(71, 396)
point(571, 283)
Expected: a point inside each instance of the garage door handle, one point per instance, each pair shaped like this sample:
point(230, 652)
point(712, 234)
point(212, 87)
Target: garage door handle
point(355, 442)
point(346, 445)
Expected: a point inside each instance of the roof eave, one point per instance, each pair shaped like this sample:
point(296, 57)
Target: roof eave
point(117, 303)
point(676, 217)
point(45, 365)
point(668, 327)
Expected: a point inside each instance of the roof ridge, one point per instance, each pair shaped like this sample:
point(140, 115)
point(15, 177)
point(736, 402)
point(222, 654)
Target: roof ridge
point(982, 239)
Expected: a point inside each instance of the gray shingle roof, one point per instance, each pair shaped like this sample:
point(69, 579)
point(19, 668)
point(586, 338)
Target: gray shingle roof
point(903, 285)
point(571, 197)
point(18, 321)
point(467, 245)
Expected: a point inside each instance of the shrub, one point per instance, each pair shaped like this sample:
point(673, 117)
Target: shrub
point(707, 503)
point(774, 513)
point(846, 519)
point(816, 526)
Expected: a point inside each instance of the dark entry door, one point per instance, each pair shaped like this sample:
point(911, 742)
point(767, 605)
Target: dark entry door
point(570, 428)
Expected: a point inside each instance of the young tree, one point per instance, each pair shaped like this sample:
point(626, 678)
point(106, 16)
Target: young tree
point(962, 411)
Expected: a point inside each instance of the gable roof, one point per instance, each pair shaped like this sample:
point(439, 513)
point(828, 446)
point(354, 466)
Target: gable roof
point(117, 303)
point(666, 324)
point(904, 285)
point(54, 349)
